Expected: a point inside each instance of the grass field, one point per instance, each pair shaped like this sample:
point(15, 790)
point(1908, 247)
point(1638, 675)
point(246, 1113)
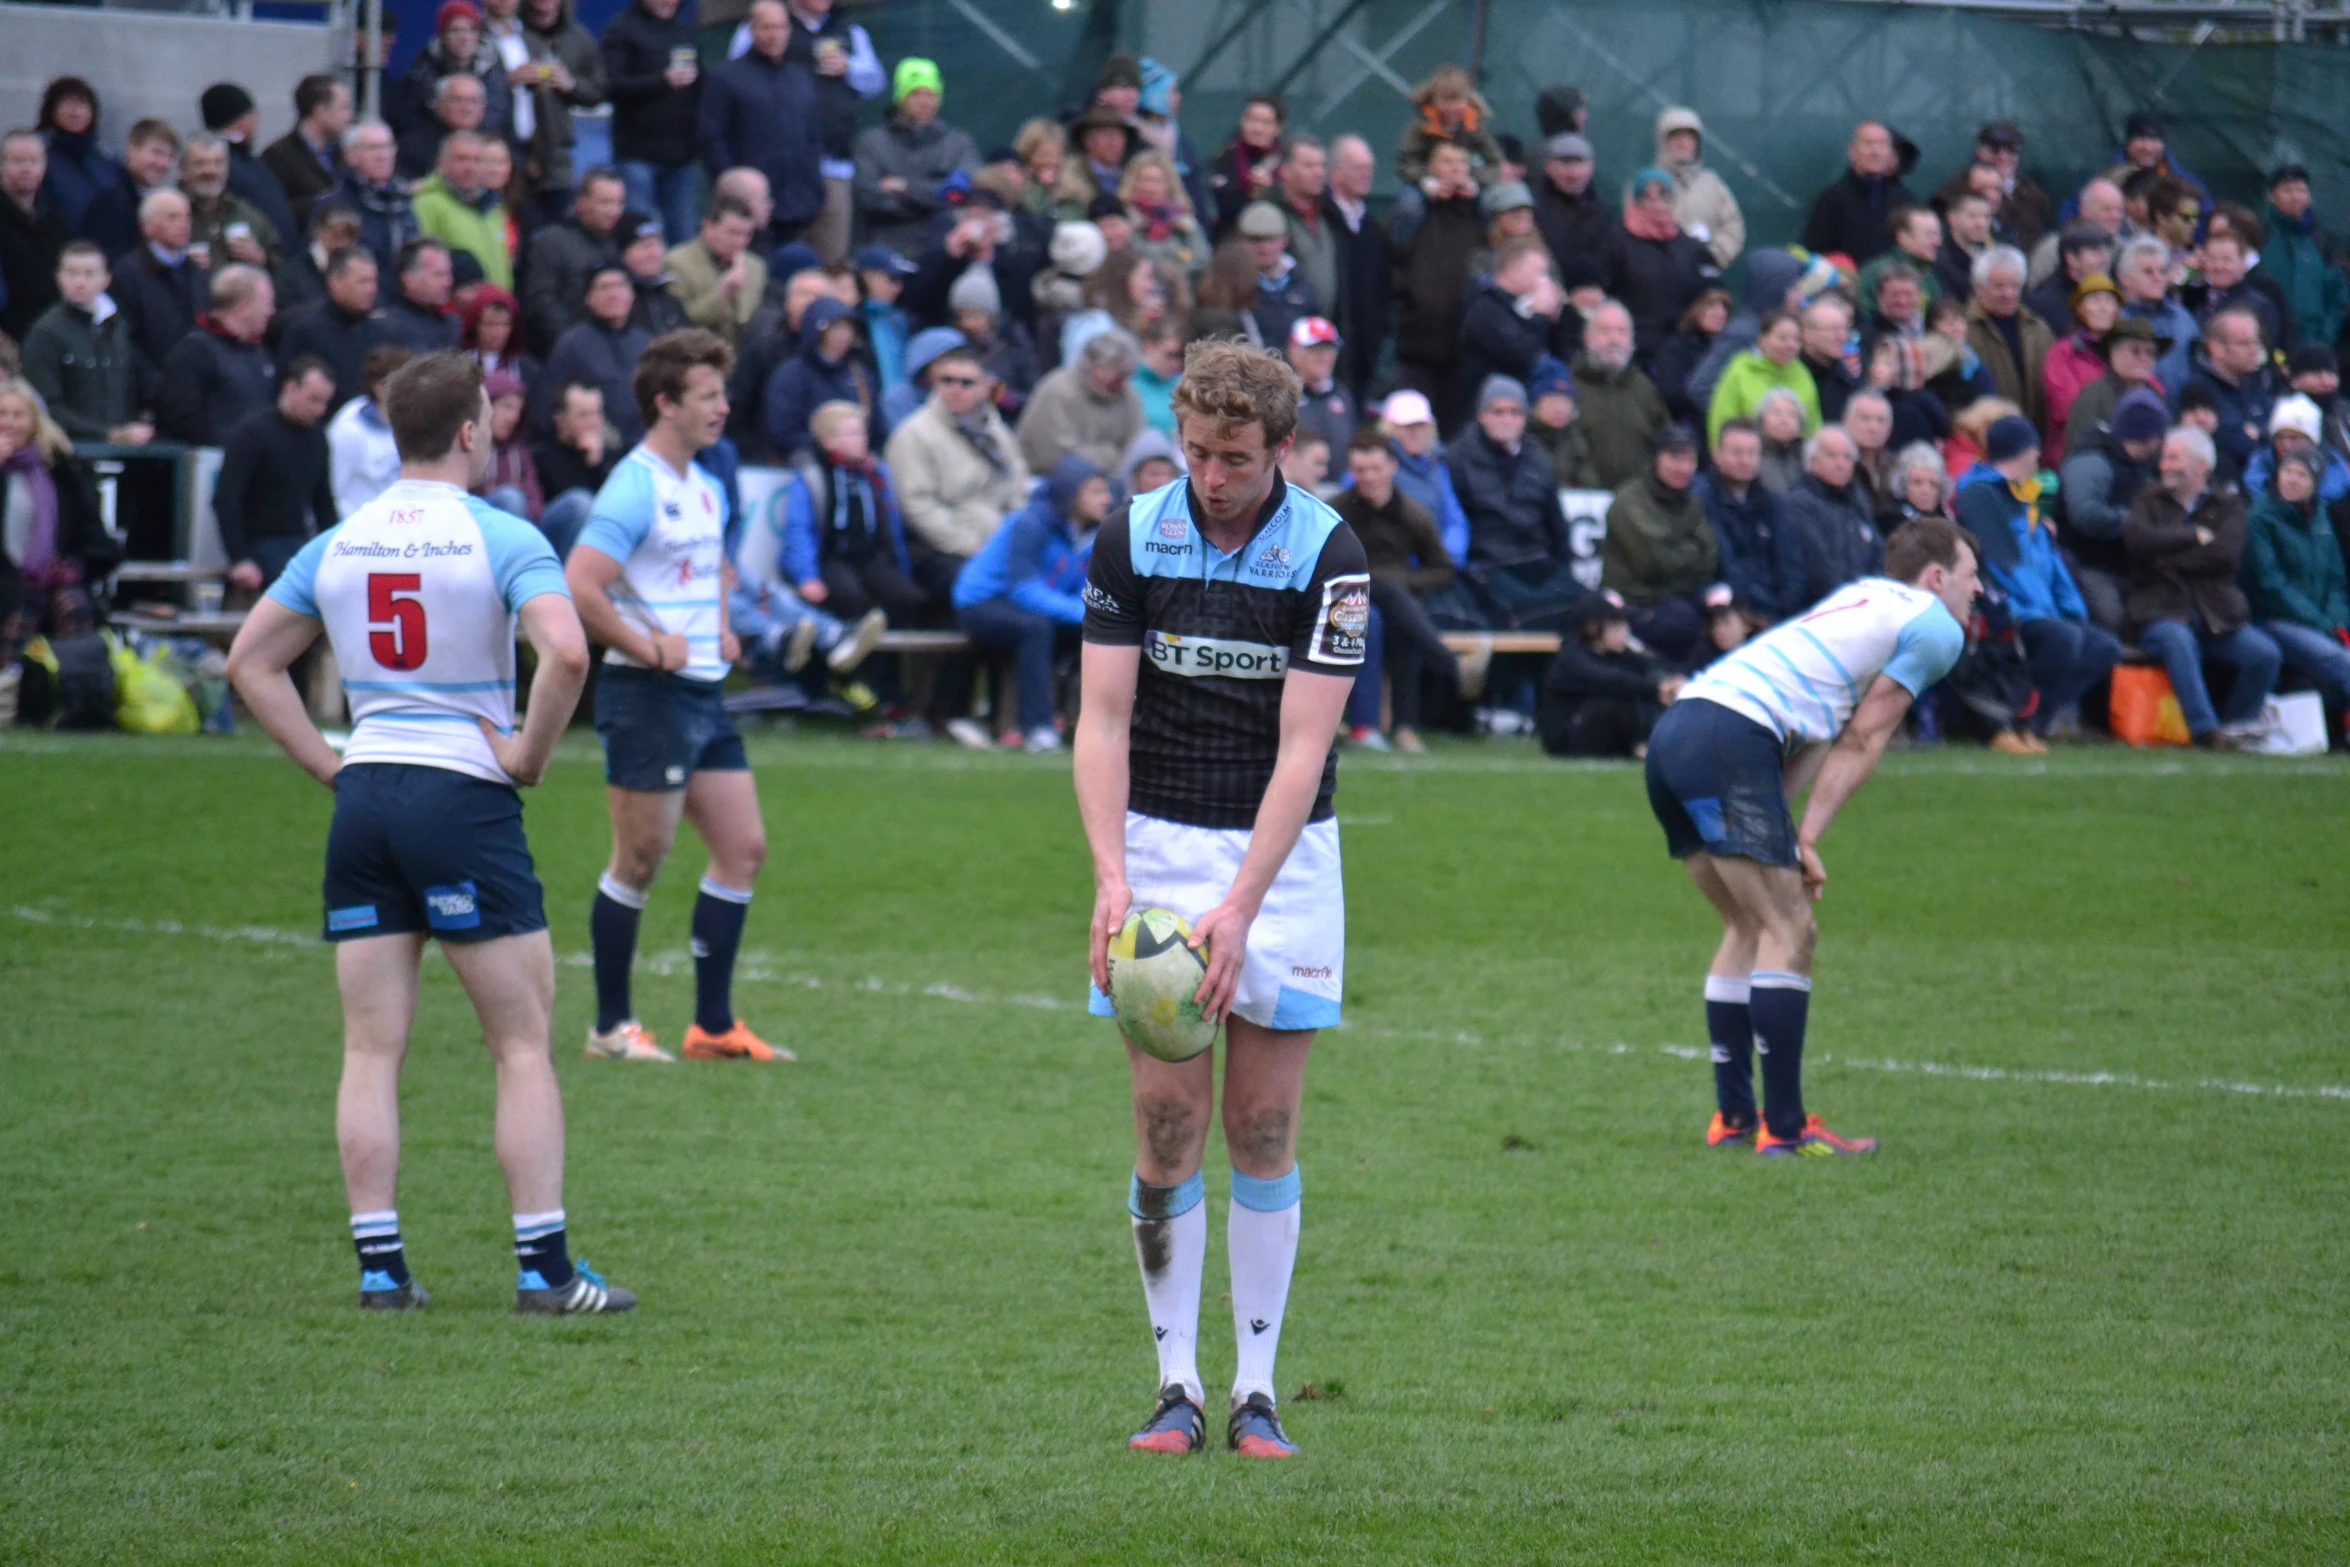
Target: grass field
point(2088, 1305)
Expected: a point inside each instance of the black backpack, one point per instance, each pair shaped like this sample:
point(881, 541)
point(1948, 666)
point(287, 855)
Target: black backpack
point(84, 697)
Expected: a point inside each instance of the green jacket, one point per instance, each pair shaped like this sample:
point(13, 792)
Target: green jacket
point(1621, 413)
point(86, 370)
point(2292, 568)
point(478, 230)
point(1658, 543)
point(1745, 380)
point(2315, 290)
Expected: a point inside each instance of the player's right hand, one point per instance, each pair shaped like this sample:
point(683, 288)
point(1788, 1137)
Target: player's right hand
point(1110, 900)
point(1815, 873)
point(669, 651)
point(508, 749)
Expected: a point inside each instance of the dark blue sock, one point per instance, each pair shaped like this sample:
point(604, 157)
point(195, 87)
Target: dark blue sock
point(612, 936)
point(718, 930)
point(542, 1253)
point(1730, 1027)
point(383, 1260)
point(1780, 1005)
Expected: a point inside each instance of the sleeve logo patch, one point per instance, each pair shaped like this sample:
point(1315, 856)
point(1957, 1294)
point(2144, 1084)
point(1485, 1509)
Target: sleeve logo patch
point(1101, 598)
point(1342, 625)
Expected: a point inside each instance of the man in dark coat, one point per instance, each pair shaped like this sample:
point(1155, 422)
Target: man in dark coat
point(341, 330)
point(1521, 562)
point(1431, 250)
point(32, 234)
point(308, 160)
point(1660, 552)
point(1363, 299)
point(1761, 553)
point(370, 187)
point(220, 374)
point(562, 255)
point(158, 286)
point(274, 491)
point(1830, 510)
point(779, 109)
point(656, 109)
point(1850, 216)
point(602, 350)
point(416, 316)
point(79, 355)
point(2186, 541)
point(902, 162)
point(229, 113)
point(1574, 220)
point(1508, 318)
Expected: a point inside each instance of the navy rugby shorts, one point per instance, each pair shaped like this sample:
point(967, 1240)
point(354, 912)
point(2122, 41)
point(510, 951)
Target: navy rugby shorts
point(1717, 783)
point(427, 849)
point(661, 729)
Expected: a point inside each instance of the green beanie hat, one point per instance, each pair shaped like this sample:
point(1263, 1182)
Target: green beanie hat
point(915, 72)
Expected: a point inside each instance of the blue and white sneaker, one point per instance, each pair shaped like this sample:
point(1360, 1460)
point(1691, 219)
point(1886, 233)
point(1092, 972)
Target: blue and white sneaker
point(1255, 1430)
point(1176, 1426)
point(584, 1293)
point(377, 1292)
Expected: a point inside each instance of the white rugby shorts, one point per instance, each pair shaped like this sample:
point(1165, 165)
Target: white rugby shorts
point(1296, 959)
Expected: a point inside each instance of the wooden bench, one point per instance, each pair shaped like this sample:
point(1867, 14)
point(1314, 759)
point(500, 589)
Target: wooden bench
point(217, 626)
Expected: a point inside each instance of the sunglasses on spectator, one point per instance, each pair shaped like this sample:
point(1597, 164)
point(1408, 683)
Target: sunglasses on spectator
point(954, 380)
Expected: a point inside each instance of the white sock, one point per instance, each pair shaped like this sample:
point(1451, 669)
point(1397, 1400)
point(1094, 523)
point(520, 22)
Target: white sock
point(1171, 1243)
point(1261, 1235)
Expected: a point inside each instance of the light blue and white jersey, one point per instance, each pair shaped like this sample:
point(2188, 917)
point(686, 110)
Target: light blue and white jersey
point(668, 531)
point(418, 590)
point(1802, 678)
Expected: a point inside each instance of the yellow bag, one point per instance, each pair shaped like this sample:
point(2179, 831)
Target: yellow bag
point(2144, 710)
point(149, 697)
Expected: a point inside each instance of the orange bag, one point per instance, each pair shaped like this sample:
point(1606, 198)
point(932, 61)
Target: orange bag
point(2144, 709)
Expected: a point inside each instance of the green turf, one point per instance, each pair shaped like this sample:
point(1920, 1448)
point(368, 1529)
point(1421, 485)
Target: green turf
point(2088, 1305)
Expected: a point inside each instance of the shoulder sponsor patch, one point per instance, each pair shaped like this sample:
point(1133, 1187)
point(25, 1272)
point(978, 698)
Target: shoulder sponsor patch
point(1216, 657)
point(1342, 623)
point(1101, 598)
point(1174, 526)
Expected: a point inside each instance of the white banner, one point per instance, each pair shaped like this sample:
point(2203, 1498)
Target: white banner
point(1586, 530)
point(758, 551)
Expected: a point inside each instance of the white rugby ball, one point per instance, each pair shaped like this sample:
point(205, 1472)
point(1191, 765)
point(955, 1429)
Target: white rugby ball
point(1154, 976)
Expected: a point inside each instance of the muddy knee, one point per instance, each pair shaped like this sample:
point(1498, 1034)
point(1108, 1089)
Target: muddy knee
point(1170, 1129)
point(1260, 1139)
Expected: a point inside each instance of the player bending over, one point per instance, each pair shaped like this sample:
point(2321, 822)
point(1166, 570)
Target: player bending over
point(1225, 618)
point(418, 592)
point(648, 572)
point(1809, 703)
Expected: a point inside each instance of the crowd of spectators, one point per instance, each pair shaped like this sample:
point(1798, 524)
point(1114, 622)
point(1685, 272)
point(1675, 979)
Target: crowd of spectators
point(964, 358)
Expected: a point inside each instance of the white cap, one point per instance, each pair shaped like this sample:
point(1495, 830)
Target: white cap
point(2297, 413)
point(1409, 407)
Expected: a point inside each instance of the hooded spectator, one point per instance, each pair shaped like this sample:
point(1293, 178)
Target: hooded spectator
point(2293, 576)
point(1656, 269)
point(1022, 590)
point(1759, 553)
point(1831, 512)
point(220, 375)
point(1775, 280)
point(902, 162)
point(80, 167)
point(307, 160)
point(2317, 295)
point(826, 369)
point(2295, 424)
point(1702, 204)
point(33, 233)
point(2078, 358)
point(1621, 408)
point(2186, 540)
point(1849, 218)
point(2110, 462)
point(1088, 407)
point(79, 356)
point(1660, 553)
point(1998, 501)
point(1776, 360)
point(2013, 342)
point(655, 83)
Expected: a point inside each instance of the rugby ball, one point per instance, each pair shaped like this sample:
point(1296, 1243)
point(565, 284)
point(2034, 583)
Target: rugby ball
point(1154, 974)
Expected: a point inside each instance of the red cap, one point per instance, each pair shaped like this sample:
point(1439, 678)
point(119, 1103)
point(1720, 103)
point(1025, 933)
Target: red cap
point(452, 10)
point(1313, 332)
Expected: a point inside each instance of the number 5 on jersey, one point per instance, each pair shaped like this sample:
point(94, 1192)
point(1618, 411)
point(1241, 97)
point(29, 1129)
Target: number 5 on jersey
point(395, 619)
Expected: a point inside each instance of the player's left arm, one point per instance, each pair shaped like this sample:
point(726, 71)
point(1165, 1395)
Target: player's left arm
point(1849, 763)
point(1311, 707)
point(272, 637)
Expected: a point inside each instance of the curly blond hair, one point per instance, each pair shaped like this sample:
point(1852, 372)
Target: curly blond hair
point(1228, 382)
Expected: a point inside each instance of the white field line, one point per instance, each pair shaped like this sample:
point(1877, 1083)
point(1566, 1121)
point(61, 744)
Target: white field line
point(755, 968)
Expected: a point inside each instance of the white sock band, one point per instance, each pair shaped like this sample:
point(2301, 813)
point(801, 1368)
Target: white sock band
point(725, 894)
point(626, 897)
point(367, 1226)
point(1729, 987)
point(531, 1226)
point(1774, 979)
